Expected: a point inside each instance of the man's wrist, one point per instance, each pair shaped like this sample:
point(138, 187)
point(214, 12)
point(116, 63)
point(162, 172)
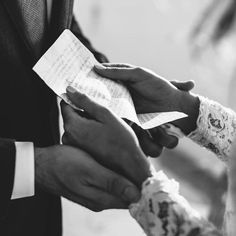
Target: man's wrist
point(38, 153)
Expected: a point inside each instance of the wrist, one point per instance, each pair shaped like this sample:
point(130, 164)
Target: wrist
point(188, 103)
point(40, 159)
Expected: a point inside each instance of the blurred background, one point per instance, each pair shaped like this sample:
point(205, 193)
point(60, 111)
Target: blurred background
point(157, 34)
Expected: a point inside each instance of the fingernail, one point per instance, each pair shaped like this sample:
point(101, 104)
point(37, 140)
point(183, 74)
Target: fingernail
point(100, 67)
point(132, 194)
point(71, 89)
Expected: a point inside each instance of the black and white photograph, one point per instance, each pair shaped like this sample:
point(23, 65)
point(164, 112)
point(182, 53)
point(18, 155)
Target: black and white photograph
point(117, 118)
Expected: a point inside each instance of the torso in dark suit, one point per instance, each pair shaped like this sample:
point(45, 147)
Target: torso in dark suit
point(28, 113)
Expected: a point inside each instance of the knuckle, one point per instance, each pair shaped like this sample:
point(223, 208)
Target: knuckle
point(117, 186)
point(113, 184)
point(138, 70)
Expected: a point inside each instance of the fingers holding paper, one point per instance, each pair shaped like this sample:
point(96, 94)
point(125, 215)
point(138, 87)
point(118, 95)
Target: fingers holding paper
point(113, 70)
point(152, 93)
point(106, 137)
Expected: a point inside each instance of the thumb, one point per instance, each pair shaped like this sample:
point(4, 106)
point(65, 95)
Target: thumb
point(83, 102)
point(184, 86)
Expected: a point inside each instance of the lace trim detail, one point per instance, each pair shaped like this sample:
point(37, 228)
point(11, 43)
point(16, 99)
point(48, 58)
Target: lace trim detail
point(162, 211)
point(216, 128)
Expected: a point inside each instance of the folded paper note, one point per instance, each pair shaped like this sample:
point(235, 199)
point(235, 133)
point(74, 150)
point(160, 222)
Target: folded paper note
point(69, 62)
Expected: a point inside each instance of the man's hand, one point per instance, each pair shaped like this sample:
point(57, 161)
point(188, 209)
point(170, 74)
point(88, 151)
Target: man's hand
point(73, 174)
point(106, 137)
point(151, 93)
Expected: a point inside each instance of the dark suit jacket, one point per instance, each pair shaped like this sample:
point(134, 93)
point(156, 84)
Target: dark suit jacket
point(28, 113)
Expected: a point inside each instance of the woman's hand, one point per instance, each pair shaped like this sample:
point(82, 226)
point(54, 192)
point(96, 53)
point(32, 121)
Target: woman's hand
point(106, 137)
point(151, 93)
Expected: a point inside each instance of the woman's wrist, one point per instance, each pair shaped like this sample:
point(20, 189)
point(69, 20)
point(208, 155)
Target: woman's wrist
point(188, 103)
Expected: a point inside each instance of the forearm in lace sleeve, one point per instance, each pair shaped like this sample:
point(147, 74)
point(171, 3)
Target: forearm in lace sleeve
point(216, 128)
point(161, 211)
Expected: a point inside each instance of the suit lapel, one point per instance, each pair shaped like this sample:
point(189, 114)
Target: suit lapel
point(61, 16)
point(14, 13)
point(62, 12)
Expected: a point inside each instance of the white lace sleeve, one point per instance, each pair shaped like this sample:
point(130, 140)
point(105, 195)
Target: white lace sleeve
point(161, 211)
point(216, 128)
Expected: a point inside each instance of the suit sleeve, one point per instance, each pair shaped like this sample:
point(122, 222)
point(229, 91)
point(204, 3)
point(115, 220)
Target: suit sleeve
point(79, 34)
point(7, 171)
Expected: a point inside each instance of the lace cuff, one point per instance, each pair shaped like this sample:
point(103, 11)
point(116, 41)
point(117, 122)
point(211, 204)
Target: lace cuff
point(216, 128)
point(162, 211)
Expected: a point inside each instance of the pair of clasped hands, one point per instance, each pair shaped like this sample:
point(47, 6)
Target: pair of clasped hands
point(102, 162)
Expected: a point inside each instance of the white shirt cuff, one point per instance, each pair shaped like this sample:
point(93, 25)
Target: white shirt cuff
point(24, 171)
